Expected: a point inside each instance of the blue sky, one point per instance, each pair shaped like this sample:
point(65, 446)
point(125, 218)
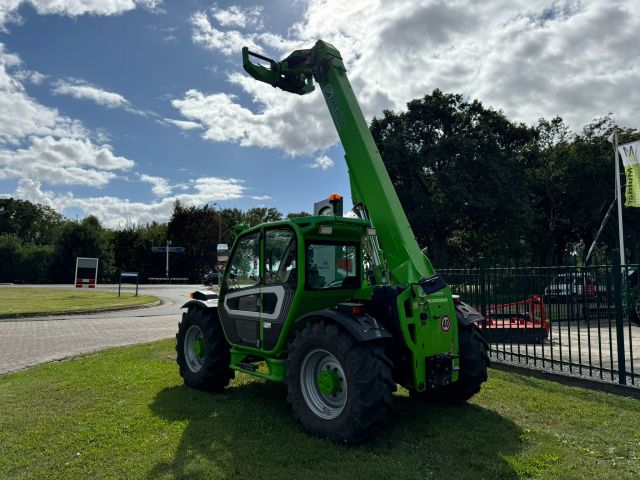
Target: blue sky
point(118, 107)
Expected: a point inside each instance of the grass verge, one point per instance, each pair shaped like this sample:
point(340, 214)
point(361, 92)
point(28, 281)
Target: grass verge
point(27, 301)
point(124, 413)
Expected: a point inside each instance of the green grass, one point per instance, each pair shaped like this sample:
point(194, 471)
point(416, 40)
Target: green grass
point(25, 301)
point(124, 413)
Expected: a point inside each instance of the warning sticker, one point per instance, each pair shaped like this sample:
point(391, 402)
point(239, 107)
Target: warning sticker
point(445, 323)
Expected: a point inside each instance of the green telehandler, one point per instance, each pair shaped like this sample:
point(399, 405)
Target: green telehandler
point(339, 309)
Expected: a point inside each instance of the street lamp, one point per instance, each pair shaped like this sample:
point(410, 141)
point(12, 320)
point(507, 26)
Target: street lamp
point(219, 222)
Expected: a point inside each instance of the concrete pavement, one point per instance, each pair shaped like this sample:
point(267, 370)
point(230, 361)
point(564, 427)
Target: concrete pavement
point(25, 342)
point(588, 348)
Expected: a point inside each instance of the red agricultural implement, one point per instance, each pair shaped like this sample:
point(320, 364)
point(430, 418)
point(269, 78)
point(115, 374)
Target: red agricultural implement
point(518, 322)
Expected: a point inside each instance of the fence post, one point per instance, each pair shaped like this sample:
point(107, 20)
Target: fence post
point(617, 292)
point(483, 291)
point(638, 276)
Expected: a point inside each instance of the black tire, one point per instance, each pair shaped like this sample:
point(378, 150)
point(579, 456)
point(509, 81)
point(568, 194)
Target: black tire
point(474, 361)
point(367, 374)
point(213, 373)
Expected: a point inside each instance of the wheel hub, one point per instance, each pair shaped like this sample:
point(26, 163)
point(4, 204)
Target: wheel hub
point(198, 347)
point(328, 382)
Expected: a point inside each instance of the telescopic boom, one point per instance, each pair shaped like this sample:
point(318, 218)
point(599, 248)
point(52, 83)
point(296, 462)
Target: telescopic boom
point(371, 188)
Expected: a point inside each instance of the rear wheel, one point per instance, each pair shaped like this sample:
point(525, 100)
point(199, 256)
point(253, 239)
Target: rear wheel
point(202, 351)
point(474, 361)
point(339, 389)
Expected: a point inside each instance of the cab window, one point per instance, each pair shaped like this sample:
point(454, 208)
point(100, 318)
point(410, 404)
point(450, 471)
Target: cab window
point(244, 265)
point(280, 257)
point(332, 265)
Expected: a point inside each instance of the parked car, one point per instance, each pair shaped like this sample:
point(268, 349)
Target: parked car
point(598, 293)
point(572, 284)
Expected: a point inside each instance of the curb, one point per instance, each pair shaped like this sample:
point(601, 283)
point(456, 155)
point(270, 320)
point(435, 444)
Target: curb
point(571, 381)
point(12, 316)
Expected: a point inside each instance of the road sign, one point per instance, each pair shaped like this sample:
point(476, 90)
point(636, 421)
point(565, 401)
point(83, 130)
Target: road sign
point(86, 272)
point(167, 249)
point(164, 249)
point(136, 275)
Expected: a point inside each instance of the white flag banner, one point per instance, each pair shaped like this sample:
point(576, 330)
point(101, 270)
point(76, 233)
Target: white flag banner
point(630, 153)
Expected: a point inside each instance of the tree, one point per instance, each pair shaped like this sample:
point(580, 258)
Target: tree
point(257, 215)
point(10, 257)
point(195, 229)
point(133, 249)
point(86, 238)
point(297, 215)
point(231, 217)
point(31, 223)
point(571, 185)
point(458, 169)
point(35, 263)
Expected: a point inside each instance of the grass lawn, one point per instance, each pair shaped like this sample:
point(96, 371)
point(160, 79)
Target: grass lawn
point(24, 301)
point(124, 413)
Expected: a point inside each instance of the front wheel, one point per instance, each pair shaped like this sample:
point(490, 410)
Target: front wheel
point(474, 361)
point(203, 353)
point(338, 388)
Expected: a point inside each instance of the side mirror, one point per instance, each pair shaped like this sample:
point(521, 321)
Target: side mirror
point(223, 252)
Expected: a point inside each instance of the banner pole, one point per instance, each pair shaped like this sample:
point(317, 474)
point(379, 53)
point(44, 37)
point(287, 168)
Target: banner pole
point(619, 197)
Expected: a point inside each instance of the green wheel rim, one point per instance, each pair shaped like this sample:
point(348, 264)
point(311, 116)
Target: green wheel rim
point(194, 348)
point(323, 384)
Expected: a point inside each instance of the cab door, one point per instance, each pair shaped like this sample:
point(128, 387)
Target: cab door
point(240, 292)
point(279, 282)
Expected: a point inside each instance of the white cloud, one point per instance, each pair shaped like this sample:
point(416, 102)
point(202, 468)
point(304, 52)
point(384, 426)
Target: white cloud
point(532, 60)
point(30, 76)
point(228, 42)
point(183, 124)
point(69, 161)
point(323, 163)
point(41, 147)
point(38, 143)
point(73, 8)
point(83, 91)
point(116, 211)
point(279, 126)
point(160, 186)
point(236, 16)
point(28, 117)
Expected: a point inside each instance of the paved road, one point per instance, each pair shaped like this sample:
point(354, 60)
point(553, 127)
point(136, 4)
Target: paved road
point(30, 341)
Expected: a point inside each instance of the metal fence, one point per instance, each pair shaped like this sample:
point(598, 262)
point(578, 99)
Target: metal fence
point(575, 320)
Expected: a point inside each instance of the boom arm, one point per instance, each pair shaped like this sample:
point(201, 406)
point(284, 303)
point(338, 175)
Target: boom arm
point(371, 186)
